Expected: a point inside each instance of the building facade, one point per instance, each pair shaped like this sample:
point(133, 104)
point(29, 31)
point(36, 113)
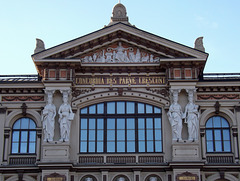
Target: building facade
point(120, 104)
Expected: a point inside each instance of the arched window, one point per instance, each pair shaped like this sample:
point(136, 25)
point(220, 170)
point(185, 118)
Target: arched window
point(120, 127)
point(24, 136)
point(218, 135)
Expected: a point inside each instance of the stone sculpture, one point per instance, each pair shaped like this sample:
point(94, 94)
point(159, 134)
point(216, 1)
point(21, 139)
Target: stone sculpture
point(65, 117)
point(48, 117)
point(191, 116)
point(199, 44)
point(175, 117)
point(153, 179)
point(121, 179)
point(88, 179)
point(39, 46)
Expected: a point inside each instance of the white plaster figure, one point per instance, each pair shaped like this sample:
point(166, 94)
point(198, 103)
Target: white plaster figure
point(175, 117)
point(191, 116)
point(65, 117)
point(153, 179)
point(138, 56)
point(88, 179)
point(120, 53)
point(121, 179)
point(48, 118)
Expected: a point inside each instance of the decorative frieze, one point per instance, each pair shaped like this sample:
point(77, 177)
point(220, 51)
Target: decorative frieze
point(22, 98)
point(218, 96)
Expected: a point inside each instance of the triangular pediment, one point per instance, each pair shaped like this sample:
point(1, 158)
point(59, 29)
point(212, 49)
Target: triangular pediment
point(103, 46)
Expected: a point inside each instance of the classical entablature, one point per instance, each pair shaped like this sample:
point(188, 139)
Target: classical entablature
point(120, 48)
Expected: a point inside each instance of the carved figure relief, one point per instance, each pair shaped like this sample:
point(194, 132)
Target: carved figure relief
point(48, 117)
point(65, 117)
point(191, 116)
point(175, 117)
point(119, 54)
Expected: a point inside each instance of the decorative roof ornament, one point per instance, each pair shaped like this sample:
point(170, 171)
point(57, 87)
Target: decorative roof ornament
point(199, 44)
point(119, 14)
point(39, 46)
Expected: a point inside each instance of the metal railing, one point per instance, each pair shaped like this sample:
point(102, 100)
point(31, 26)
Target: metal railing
point(20, 78)
point(221, 76)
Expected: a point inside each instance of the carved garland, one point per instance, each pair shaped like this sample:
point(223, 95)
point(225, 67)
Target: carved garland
point(218, 96)
point(22, 98)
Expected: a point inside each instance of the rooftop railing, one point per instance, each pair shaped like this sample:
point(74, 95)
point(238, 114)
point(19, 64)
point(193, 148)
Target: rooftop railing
point(221, 76)
point(20, 78)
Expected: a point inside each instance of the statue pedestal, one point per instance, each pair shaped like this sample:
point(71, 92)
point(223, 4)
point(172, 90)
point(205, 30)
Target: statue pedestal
point(185, 150)
point(56, 151)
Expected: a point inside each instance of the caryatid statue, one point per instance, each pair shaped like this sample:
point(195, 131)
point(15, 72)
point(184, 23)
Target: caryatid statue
point(191, 116)
point(48, 117)
point(175, 116)
point(65, 117)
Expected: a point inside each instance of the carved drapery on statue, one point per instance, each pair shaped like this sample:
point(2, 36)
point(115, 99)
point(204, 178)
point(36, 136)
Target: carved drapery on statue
point(65, 117)
point(175, 116)
point(191, 116)
point(48, 117)
point(120, 53)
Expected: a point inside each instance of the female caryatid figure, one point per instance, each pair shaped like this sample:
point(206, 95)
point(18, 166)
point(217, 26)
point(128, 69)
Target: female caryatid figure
point(48, 118)
point(191, 116)
point(65, 117)
point(175, 117)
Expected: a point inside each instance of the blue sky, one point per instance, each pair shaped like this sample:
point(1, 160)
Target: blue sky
point(58, 21)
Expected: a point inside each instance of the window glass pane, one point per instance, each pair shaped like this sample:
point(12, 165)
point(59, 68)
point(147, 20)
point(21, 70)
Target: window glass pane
point(224, 123)
point(131, 146)
point(149, 146)
point(227, 146)
point(100, 135)
point(120, 107)
point(24, 123)
point(92, 124)
point(217, 135)
point(157, 122)
point(157, 110)
point(32, 136)
point(84, 110)
point(149, 123)
point(209, 123)
point(32, 124)
point(91, 135)
point(130, 107)
point(218, 146)
point(141, 134)
point(91, 146)
point(110, 123)
point(130, 123)
point(141, 123)
point(14, 147)
point(17, 124)
point(149, 109)
point(15, 136)
point(209, 146)
point(120, 123)
point(83, 147)
point(24, 136)
point(141, 108)
point(83, 123)
point(120, 146)
point(226, 135)
point(23, 147)
point(158, 146)
point(110, 146)
point(111, 135)
point(32, 147)
point(131, 135)
point(121, 135)
point(141, 146)
point(158, 135)
point(216, 122)
point(100, 123)
point(100, 108)
point(209, 135)
point(111, 107)
point(99, 146)
point(84, 135)
point(149, 134)
point(92, 109)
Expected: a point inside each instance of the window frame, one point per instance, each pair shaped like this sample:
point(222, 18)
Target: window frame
point(28, 141)
point(125, 117)
point(213, 130)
